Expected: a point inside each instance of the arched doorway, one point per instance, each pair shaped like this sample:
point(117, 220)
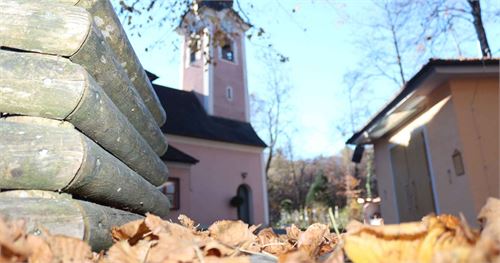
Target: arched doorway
point(245, 208)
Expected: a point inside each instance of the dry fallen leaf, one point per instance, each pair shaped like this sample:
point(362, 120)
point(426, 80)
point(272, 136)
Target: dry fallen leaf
point(434, 237)
point(271, 243)
point(293, 233)
point(13, 241)
point(487, 248)
point(67, 249)
point(310, 241)
point(123, 252)
point(298, 256)
point(187, 222)
point(232, 233)
point(489, 216)
point(18, 246)
point(173, 249)
point(40, 250)
point(337, 256)
point(217, 249)
point(132, 231)
point(241, 259)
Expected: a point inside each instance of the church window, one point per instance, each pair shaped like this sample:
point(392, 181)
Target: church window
point(192, 56)
point(171, 189)
point(194, 51)
point(228, 51)
point(229, 93)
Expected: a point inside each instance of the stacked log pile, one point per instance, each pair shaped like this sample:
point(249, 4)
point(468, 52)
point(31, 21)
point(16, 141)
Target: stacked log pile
point(80, 134)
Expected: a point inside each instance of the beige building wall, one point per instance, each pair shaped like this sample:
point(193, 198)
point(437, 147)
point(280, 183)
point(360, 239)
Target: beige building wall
point(216, 177)
point(385, 182)
point(455, 119)
point(452, 192)
point(477, 111)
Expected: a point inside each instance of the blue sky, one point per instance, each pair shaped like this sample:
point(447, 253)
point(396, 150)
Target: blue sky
point(319, 38)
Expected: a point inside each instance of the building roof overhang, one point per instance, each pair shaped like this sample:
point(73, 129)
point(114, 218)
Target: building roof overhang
point(175, 155)
point(412, 98)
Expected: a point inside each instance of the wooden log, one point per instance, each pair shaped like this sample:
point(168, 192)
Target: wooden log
point(108, 73)
point(108, 22)
point(46, 154)
point(60, 214)
point(28, 25)
point(106, 19)
point(53, 87)
point(38, 28)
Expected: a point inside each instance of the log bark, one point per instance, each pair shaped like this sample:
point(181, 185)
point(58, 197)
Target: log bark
point(106, 19)
point(45, 154)
point(53, 87)
point(60, 214)
point(28, 25)
point(42, 29)
point(112, 78)
point(108, 22)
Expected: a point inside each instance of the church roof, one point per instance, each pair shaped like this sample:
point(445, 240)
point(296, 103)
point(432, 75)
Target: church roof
point(187, 117)
point(175, 155)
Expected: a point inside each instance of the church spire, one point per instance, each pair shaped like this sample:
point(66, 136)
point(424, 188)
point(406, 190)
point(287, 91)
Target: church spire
point(214, 65)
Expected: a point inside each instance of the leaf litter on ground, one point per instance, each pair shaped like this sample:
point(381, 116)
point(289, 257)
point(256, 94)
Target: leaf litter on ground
point(437, 239)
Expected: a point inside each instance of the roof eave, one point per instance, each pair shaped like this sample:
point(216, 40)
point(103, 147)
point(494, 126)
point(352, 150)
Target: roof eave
point(432, 74)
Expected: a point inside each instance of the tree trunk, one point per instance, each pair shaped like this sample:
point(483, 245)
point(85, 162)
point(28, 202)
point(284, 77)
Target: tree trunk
point(398, 55)
point(268, 163)
point(478, 25)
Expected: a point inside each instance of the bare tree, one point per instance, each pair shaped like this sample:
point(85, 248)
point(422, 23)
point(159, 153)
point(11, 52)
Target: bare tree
point(140, 16)
point(269, 110)
point(386, 47)
point(356, 90)
point(403, 35)
point(476, 13)
point(440, 21)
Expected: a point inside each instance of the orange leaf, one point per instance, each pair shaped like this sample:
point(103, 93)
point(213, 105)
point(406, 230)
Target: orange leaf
point(311, 239)
point(232, 233)
point(123, 252)
point(132, 231)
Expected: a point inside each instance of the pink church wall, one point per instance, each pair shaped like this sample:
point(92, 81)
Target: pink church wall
point(192, 72)
point(215, 179)
point(226, 74)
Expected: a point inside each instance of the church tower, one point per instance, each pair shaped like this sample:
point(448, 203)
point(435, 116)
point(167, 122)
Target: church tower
point(214, 64)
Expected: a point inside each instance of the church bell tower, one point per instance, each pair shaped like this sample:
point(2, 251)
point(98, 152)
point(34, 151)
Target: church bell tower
point(213, 62)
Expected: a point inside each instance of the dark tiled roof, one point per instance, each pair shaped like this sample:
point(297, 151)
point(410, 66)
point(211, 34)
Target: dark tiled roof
point(187, 117)
point(152, 77)
point(415, 82)
point(175, 155)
